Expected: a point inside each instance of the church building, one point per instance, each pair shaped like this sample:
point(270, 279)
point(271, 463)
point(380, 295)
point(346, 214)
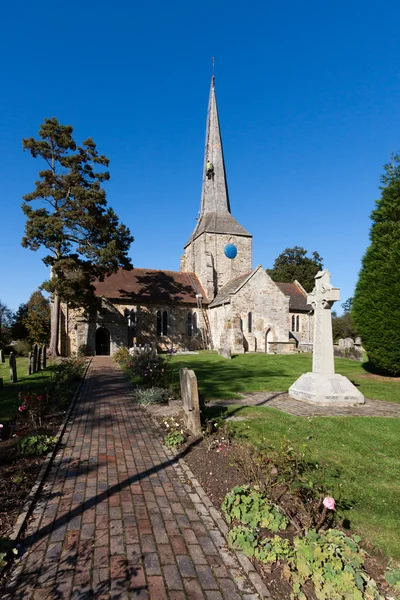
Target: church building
point(216, 301)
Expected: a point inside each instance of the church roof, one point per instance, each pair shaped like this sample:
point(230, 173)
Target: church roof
point(151, 286)
point(225, 293)
point(297, 296)
point(215, 210)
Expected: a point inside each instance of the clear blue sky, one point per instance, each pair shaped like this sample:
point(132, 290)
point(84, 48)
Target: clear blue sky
point(309, 104)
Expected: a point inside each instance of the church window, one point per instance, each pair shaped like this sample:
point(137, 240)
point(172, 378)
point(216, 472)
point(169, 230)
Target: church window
point(133, 322)
point(241, 324)
point(190, 324)
point(194, 322)
point(293, 323)
point(250, 322)
point(165, 323)
point(297, 323)
point(159, 325)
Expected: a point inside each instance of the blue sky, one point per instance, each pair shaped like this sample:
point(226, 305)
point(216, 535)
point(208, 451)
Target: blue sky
point(309, 103)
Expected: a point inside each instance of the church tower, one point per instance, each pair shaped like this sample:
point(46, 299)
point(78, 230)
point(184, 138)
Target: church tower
point(219, 248)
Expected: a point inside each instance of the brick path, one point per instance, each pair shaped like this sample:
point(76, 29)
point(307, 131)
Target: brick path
point(283, 402)
point(118, 519)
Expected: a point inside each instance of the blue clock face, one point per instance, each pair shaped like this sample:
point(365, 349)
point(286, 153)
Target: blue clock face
point(230, 251)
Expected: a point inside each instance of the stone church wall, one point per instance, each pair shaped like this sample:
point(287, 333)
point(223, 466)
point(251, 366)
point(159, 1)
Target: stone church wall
point(78, 328)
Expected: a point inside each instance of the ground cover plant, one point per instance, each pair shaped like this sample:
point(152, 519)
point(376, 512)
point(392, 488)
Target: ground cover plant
point(361, 454)
point(221, 378)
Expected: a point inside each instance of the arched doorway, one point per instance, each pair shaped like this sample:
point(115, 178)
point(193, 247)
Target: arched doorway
point(267, 340)
point(102, 342)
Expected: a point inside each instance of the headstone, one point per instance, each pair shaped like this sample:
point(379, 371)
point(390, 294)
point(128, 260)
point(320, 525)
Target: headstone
point(323, 386)
point(2, 359)
point(35, 358)
point(44, 356)
point(224, 344)
point(30, 363)
point(13, 368)
point(39, 358)
point(190, 400)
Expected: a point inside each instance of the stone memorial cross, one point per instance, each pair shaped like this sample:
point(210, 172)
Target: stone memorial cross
point(323, 386)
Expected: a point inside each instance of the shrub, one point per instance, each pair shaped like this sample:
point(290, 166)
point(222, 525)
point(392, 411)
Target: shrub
point(153, 395)
point(35, 445)
point(376, 309)
point(83, 350)
point(152, 369)
point(174, 439)
point(22, 347)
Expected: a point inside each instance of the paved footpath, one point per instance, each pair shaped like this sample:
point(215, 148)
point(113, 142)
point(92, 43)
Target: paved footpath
point(119, 519)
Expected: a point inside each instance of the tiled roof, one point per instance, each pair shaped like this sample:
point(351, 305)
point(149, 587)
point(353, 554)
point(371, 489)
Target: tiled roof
point(298, 300)
point(153, 286)
point(229, 288)
point(214, 222)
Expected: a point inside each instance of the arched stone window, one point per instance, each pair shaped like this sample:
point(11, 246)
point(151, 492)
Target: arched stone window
point(159, 324)
point(250, 322)
point(165, 323)
point(190, 324)
point(297, 323)
point(293, 323)
point(195, 322)
point(241, 324)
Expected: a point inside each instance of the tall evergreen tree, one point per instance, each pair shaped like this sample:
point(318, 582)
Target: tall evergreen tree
point(293, 263)
point(83, 237)
point(37, 319)
point(18, 329)
point(376, 305)
point(6, 321)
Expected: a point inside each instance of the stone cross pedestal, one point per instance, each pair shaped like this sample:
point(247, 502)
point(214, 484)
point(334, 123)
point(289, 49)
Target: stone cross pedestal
point(323, 386)
point(190, 400)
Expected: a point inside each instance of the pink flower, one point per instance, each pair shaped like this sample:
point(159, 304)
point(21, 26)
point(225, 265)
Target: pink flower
point(22, 408)
point(329, 503)
point(38, 398)
point(1, 426)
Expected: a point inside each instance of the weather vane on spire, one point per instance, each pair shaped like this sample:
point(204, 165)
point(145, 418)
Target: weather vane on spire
point(213, 65)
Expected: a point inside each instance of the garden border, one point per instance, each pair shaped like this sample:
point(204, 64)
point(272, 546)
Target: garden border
point(37, 486)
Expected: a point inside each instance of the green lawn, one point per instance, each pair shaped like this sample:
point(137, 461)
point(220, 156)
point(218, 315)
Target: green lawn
point(363, 451)
point(222, 378)
point(9, 393)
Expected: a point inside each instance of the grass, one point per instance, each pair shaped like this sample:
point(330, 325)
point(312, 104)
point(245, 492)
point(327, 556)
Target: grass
point(364, 451)
point(9, 393)
point(360, 453)
point(222, 378)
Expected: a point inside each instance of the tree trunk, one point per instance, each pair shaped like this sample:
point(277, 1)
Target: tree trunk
point(55, 325)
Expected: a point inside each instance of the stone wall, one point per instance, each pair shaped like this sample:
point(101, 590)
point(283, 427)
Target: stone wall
point(79, 328)
point(306, 329)
point(205, 257)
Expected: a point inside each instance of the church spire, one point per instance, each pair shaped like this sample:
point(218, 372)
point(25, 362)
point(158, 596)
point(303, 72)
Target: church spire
point(214, 197)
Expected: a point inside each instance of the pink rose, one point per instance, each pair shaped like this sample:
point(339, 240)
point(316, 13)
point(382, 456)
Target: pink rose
point(22, 408)
point(1, 426)
point(329, 503)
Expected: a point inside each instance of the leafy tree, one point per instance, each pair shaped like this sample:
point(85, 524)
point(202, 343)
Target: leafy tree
point(6, 321)
point(376, 306)
point(83, 237)
point(343, 327)
point(293, 264)
point(18, 329)
point(37, 320)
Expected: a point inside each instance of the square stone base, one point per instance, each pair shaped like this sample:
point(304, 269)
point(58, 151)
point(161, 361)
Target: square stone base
point(326, 390)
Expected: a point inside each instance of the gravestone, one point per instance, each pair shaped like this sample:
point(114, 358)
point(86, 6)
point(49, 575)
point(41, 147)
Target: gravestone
point(35, 358)
point(323, 386)
point(44, 356)
point(13, 368)
point(30, 363)
point(224, 345)
point(190, 400)
point(2, 359)
point(39, 358)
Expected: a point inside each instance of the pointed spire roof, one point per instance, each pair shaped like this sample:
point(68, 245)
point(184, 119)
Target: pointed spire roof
point(215, 211)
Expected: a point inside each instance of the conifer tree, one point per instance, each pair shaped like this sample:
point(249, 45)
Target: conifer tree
point(83, 237)
point(37, 318)
point(376, 304)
